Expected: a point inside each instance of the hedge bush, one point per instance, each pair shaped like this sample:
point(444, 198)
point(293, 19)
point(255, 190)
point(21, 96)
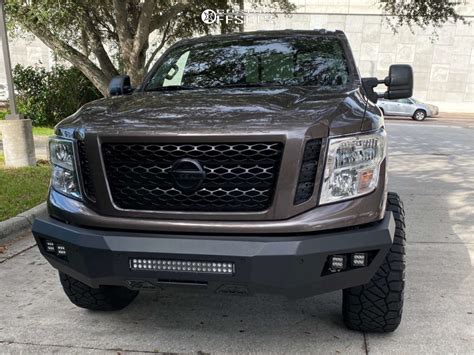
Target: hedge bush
point(46, 97)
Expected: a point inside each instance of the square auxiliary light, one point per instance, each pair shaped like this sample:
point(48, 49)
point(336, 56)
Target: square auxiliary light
point(60, 250)
point(359, 259)
point(188, 266)
point(337, 263)
point(55, 248)
point(50, 246)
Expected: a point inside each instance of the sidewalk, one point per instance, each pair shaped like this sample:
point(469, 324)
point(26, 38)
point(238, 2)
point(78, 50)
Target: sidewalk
point(447, 119)
point(436, 184)
point(459, 115)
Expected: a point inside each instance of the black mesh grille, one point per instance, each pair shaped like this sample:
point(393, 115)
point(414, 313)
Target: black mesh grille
point(85, 171)
point(309, 167)
point(239, 177)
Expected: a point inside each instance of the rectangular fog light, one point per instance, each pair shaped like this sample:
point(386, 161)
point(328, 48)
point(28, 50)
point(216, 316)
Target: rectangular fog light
point(359, 259)
point(188, 266)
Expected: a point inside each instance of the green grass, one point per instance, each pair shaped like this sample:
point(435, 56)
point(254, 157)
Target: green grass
point(22, 188)
point(43, 131)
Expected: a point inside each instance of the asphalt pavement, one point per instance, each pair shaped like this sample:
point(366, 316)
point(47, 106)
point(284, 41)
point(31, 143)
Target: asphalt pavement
point(430, 165)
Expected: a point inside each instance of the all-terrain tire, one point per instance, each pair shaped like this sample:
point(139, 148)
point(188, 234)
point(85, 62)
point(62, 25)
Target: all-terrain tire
point(105, 298)
point(377, 306)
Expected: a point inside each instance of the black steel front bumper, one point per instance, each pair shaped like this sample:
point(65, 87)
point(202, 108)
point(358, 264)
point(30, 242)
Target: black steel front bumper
point(292, 265)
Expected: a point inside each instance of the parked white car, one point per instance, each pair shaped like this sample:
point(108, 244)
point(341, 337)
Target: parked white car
point(411, 107)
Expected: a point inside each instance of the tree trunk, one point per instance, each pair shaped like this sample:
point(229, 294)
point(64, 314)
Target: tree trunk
point(134, 66)
point(242, 8)
point(76, 58)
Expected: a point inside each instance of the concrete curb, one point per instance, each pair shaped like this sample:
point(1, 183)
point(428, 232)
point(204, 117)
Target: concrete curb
point(21, 223)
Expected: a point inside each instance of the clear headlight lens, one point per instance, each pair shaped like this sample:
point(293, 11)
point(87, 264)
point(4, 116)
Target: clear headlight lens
point(353, 166)
point(64, 177)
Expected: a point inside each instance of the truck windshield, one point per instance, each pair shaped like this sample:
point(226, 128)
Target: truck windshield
point(302, 61)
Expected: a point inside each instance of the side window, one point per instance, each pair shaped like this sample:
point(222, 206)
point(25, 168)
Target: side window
point(404, 101)
point(277, 68)
point(174, 77)
point(251, 69)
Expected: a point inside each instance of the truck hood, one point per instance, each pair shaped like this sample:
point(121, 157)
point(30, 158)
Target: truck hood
point(220, 111)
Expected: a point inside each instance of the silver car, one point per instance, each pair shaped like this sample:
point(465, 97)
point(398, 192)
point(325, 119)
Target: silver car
point(407, 107)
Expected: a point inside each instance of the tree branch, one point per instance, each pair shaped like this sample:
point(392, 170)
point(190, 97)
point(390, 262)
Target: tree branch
point(159, 21)
point(93, 73)
point(123, 31)
point(164, 39)
point(106, 22)
point(98, 49)
point(143, 27)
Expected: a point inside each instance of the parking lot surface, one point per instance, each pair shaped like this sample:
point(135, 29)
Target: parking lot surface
point(431, 167)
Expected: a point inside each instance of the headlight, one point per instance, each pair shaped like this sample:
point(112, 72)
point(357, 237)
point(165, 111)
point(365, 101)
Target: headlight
point(352, 166)
point(64, 176)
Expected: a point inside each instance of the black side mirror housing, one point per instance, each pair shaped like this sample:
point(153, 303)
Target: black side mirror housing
point(399, 84)
point(120, 85)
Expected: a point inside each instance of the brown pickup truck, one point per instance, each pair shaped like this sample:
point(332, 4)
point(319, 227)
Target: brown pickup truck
point(244, 163)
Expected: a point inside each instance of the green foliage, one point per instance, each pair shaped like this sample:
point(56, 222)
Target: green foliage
point(43, 131)
point(111, 37)
point(46, 97)
point(421, 13)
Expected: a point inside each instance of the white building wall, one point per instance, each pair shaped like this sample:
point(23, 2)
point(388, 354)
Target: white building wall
point(26, 51)
point(443, 67)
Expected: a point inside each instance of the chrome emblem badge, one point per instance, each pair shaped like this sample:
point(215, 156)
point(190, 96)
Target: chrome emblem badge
point(188, 174)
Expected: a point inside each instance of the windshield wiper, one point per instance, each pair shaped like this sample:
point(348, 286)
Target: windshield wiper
point(249, 85)
point(172, 88)
point(238, 85)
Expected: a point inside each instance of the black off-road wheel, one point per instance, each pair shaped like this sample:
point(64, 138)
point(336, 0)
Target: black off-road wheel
point(105, 298)
point(377, 306)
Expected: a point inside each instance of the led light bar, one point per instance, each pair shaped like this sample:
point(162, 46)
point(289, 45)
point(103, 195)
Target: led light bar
point(209, 267)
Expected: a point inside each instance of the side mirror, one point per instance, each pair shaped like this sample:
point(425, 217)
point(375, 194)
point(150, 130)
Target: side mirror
point(399, 84)
point(120, 85)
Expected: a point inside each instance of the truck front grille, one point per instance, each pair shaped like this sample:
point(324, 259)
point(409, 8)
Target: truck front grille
point(85, 171)
point(309, 167)
point(208, 177)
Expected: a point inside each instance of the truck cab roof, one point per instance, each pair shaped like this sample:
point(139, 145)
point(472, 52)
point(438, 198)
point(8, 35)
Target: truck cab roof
point(262, 35)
